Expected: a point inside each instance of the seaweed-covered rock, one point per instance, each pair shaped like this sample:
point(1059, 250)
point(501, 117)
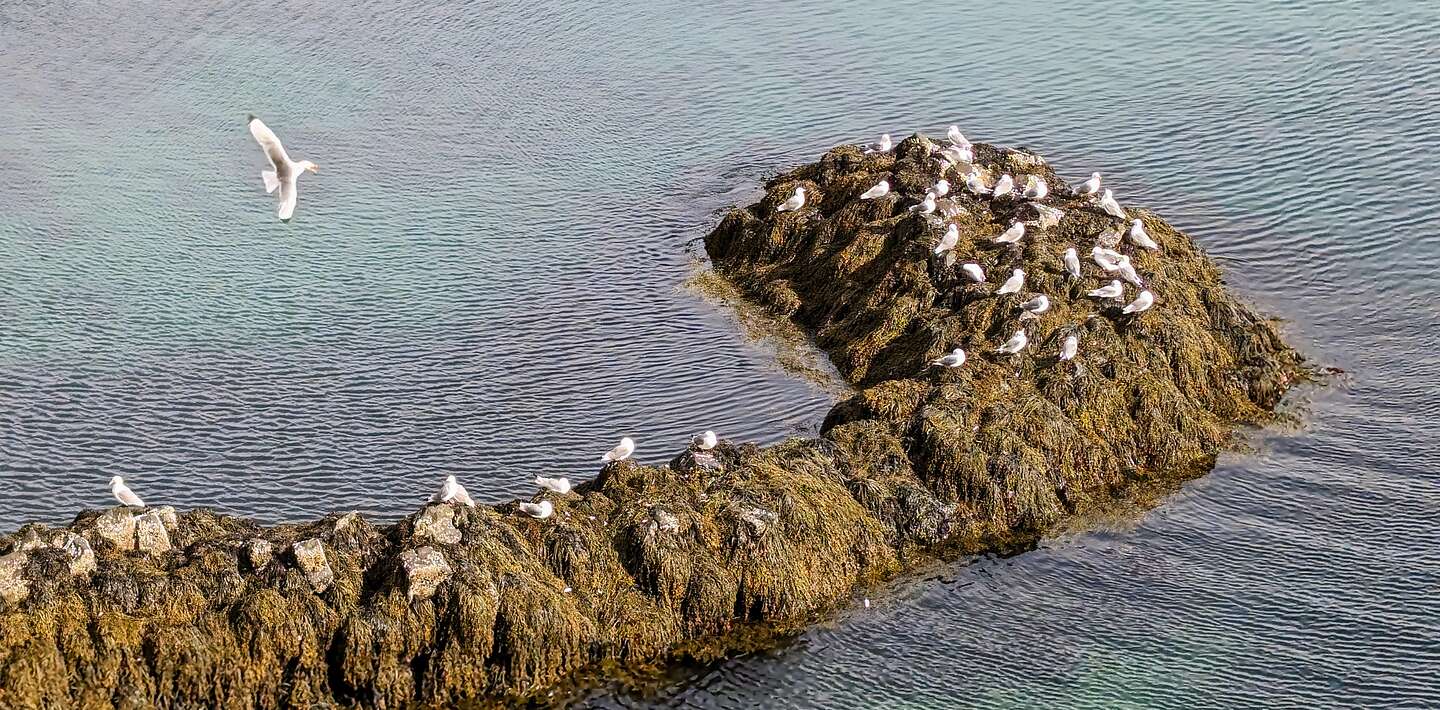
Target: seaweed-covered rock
point(150, 533)
point(117, 527)
point(437, 523)
point(258, 553)
point(425, 570)
point(79, 555)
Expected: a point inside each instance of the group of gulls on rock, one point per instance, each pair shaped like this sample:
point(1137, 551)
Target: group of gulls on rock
point(452, 492)
point(959, 154)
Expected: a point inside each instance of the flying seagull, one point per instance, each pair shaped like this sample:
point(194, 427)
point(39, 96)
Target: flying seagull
point(1015, 233)
point(947, 242)
point(974, 271)
point(1090, 186)
point(1012, 284)
point(1141, 303)
point(1111, 207)
point(123, 493)
point(621, 451)
point(1114, 289)
point(286, 171)
point(881, 189)
point(795, 202)
point(1140, 237)
point(1015, 344)
point(452, 492)
point(1068, 348)
point(554, 485)
point(1035, 188)
point(1072, 262)
point(539, 511)
point(706, 441)
point(956, 358)
point(1003, 186)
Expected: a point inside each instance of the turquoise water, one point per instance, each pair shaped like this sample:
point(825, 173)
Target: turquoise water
point(487, 278)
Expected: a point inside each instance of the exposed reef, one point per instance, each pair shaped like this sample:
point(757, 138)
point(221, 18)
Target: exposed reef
point(471, 606)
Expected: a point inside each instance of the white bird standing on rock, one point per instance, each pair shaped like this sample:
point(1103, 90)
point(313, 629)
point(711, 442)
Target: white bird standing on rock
point(956, 358)
point(1141, 303)
point(1035, 188)
point(1012, 284)
point(1111, 207)
point(1114, 289)
point(1037, 305)
point(539, 511)
point(795, 202)
point(1090, 186)
point(554, 485)
point(942, 187)
point(957, 137)
point(621, 451)
point(1015, 233)
point(958, 155)
point(1127, 271)
point(882, 147)
point(1140, 237)
point(926, 205)
point(1068, 348)
point(1015, 344)
point(1072, 262)
point(974, 271)
point(706, 441)
point(881, 189)
point(286, 171)
point(976, 184)
point(1106, 259)
point(947, 242)
point(123, 493)
point(1003, 186)
point(452, 492)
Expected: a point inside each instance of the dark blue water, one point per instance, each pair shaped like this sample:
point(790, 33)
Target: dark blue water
point(487, 278)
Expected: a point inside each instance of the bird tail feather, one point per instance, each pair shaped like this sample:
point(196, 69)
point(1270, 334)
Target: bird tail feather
point(272, 181)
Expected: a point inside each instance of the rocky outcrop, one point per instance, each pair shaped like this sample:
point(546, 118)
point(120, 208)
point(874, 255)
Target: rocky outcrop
point(453, 605)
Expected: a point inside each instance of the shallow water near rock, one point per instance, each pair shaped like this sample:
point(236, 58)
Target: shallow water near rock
point(487, 278)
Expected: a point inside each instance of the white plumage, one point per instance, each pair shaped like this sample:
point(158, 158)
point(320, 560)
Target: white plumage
point(285, 172)
point(976, 184)
point(554, 485)
point(947, 242)
point(1038, 304)
point(796, 201)
point(1090, 186)
point(881, 189)
point(1015, 233)
point(621, 451)
point(1014, 283)
point(957, 137)
point(1142, 303)
point(926, 205)
point(539, 511)
point(1140, 237)
point(1072, 262)
point(1114, 289)
point(1035, 188)
point(1048, 216)
point(1015, 344)
point(1069, 347)
point(1106, 259)
point(452, 492)
point(123, 493)
point(1127, 271)
point(974, 272)
point(1111, 207)
point(942, 187)
point(955, 358)
point(1003, 186)
point(706, 441)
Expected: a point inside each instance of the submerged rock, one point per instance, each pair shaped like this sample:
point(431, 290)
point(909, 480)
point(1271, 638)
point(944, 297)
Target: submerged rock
point(458, 606)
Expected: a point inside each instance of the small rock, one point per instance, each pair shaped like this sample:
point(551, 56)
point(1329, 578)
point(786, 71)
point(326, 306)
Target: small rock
point(437, 522)
point(167, 515)
point(346, 521)
point(258, 553)
point(117, 527)
point(425, 570)
point(150, 533)
point(1020, 157)
point(81, 556)
point(310, 555)
point(666, 521)
point(13, 586)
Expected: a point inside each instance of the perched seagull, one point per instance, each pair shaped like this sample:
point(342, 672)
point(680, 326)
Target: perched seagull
point(956, 358)
point(975, 273)
point(942, 188)
point(1072, 262)
point(795, 202)
point(554, 485)
point(621, 451)
point(947, 242)
point(1049, 216)
point(539, 511)
point(957, 137)
point(1068, 348)
point(286, 171)
point(1111, 207)
point(1114, 289)
point(926, 205)
point(976, 184)
point(1013, 284)
point(1106, 259)
point(452, 492)
point(1037, 305)
point(1015, 233)
point(1035, 188)
point(1089, 187)
point(956, 154)
point(1140, 237)
point(705, 442)
point(1003, 186)
point(1141, 303)
point(882, 147)
point(881, 189)
point(1127, 271)
point(1015, 344)
point(123, 493)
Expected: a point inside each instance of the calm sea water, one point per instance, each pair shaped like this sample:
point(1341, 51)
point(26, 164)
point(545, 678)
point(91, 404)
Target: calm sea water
point(487, 278)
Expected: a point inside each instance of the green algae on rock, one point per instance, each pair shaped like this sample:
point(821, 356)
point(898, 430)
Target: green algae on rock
point(476, 606)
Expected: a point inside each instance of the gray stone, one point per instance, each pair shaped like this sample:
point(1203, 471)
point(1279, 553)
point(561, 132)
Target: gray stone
point(425, 570)
point(117, 527)
point(258, 553)
point(77, 549)
point(1020, 157)
point(346, 521)
point(150, 533)
point(310, 555)
point(437, 522)
point(167, 514)
point(667, 521)
point(13, 586)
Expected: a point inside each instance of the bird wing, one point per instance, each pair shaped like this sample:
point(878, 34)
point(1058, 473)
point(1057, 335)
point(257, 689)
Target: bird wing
point(287, 198)
point(269, 143)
